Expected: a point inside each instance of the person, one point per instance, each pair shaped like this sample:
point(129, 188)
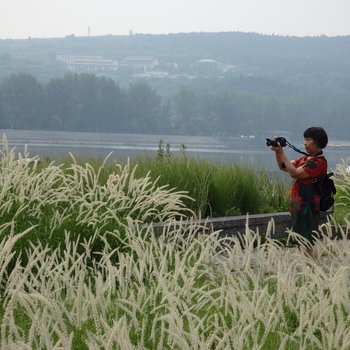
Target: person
point(305, 171)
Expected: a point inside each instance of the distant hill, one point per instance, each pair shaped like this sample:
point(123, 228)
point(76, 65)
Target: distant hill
point(221, 84)
point(291, 60)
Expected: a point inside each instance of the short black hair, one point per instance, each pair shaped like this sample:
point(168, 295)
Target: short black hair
point(318, 135)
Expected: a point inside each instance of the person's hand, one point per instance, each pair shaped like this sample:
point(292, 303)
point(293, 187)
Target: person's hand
point(277, 149)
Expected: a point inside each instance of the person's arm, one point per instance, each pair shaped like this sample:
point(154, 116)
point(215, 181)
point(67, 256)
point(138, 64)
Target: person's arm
point(286, 165)
point(279, 160)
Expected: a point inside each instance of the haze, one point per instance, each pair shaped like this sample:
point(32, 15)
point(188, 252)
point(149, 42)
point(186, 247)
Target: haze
point(48, 18)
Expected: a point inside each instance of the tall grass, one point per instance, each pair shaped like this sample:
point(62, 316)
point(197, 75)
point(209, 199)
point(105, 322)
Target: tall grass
point(342, 180)
point(214, 189)
point(56, 199)
point(183, 288)
point(218, 189)
point(171, 292)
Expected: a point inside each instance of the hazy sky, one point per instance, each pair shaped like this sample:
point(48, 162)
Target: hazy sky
point(58, 18)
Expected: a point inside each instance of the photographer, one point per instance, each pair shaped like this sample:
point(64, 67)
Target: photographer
point(304, 198)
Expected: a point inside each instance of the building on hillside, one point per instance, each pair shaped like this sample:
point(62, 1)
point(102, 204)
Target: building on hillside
point(138, 64)
point(209, 62)
point(88, 63)
point(207, 66)
point(151, 74)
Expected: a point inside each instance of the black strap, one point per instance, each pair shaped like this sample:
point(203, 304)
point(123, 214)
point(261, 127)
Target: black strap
point(320, 179)
point(315, 179)
point(302, 152)
point(296, 149)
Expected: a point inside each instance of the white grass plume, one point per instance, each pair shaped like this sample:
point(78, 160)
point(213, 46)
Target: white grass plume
point(178, 288)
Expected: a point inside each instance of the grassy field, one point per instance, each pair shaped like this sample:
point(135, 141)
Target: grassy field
point(82, 268)
point(214, 189)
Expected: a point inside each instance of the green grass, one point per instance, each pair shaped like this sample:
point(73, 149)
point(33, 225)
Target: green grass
point(219, 190)
point(185, 286)
point(94, 274)
point(342, 197)
point(216, 189)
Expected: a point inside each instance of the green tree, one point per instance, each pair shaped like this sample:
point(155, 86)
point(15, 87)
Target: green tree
point(23, 102)
point(221, 114)
point(144, 108)
point(86, 102)
point(111, 106)
point(62, 100)
point(186, 104)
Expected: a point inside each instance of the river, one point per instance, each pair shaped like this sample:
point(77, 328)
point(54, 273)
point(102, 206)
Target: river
point(57, 145)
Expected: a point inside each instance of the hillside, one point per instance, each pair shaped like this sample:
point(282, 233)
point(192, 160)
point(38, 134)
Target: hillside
point(284, 58)
point(227, 83)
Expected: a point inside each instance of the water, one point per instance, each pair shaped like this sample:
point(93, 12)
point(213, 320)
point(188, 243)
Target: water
point(58, 144)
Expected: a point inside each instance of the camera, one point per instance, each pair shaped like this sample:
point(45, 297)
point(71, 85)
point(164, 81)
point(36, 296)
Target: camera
point(281, 140)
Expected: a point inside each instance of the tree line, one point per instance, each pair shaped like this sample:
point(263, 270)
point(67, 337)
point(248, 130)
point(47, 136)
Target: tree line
point(86, 102)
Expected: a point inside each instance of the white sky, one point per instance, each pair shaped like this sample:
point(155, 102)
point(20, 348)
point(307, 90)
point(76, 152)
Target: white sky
point(58, 18)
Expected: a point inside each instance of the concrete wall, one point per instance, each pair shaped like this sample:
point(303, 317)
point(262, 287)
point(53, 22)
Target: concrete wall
point(278, 223)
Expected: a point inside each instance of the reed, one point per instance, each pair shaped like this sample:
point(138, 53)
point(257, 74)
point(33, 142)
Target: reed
point(182, 288)
point(169, 292)
point(218, 189)
point(342, 182)
point(55, 199)
point(214, 189)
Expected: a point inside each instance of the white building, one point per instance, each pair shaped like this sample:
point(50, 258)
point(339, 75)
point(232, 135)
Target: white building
point(88, 63)
point(140, 63)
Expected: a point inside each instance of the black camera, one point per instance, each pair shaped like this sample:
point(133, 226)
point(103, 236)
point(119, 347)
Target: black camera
point(281, 140)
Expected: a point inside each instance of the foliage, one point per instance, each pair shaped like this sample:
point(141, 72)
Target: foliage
point(85, 102)
point(177, 289)
point(88, 204)
point(342, 197)
point(163, 151)
point(217, 189)
point(265, 82)
point(174, 286)
point(22, 102)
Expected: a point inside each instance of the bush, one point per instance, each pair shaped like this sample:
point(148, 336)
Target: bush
point(217, 189)
point(77, 199)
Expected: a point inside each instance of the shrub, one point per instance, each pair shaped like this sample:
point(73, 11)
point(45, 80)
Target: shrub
point(56, 200)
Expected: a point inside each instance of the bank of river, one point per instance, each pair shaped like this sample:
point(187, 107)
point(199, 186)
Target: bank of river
point(57, 145)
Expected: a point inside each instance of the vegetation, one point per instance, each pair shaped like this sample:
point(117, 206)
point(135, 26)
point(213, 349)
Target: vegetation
point(217, 189)
point(213, 189)
point(289, 62)
point(260, 85)
point(82, 265)
point(53, 200)
point(85, 102)
point(342, 213)
point(180, 288)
